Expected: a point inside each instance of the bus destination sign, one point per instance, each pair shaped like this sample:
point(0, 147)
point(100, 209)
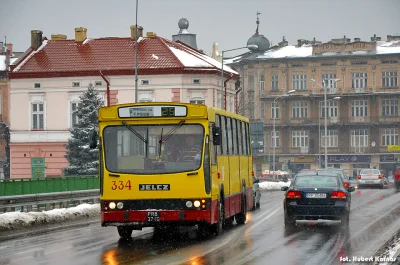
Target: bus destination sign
point(152, 111)
point(141, 112)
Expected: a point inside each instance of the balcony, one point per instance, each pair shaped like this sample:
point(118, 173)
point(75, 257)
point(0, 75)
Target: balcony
point(358, 149)
point(362, 119)
point(389, 119)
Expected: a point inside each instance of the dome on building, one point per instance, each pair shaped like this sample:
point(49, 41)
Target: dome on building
point(258, 39)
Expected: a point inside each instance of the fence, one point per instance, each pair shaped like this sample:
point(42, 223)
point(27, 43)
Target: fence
point(14, 187)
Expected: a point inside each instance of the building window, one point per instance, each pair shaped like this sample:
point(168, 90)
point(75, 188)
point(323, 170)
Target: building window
point(359, 80)
point(36, 85)
point(359, 108)
point(329, 80)
point(251, 110)
point(98, 83)
point(251, 82)
point(219, 100)
point(300, 82)
point(332, 108)
point(299, 138)
point(76, 84)
point(389, 79)
point(262, 110)
point(331, 140)
point(275, 110)
point(390, 136)
point(274, 83)
point(37, 115)
point(359, 138)
point(74, 111)
point(299, 109)
point(146, 82)
point(196, 81)
point(275, 140)
point(262, 82)
point(390, 107)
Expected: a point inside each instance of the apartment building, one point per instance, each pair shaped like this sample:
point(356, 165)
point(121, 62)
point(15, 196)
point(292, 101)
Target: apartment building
point(362, 106)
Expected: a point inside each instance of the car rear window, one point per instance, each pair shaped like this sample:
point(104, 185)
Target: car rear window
point(333, 171)
point(316, 181)
point(369, 171)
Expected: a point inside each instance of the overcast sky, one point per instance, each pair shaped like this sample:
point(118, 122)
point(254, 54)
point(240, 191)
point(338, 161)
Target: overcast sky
point(228, 22)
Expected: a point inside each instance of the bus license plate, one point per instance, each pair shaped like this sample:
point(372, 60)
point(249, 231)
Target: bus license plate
point(153, 217)
point(316, 195)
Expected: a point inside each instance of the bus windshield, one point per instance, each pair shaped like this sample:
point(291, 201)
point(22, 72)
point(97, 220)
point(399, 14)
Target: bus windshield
point(153, 149)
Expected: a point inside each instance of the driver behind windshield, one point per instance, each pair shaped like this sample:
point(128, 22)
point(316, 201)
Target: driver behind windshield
point(190, 151)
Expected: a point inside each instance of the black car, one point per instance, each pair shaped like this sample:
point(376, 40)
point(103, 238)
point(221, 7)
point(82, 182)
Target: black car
point(317, 196)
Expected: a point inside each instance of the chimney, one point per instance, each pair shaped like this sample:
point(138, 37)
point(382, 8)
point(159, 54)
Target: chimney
point(151, 35)
point(357, 39)
point(283, 43)
point(80, 34)
point(58, 37)
point(299, 43)
point(10, 48)
point(36, 39)
point(133, 32)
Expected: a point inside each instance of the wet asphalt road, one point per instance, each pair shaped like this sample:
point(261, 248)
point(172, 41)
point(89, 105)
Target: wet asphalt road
point(262, 240)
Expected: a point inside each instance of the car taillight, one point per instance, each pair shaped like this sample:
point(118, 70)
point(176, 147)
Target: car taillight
point(293, 194)
point(359, 176)
point(346, 184)
point(338, 195)
point(379, 176)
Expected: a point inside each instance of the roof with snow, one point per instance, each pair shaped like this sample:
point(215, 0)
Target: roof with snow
point(306, 51)
point(156, 55)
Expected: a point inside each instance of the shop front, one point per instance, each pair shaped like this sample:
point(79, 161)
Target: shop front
point(351, 164)
point(388, 164)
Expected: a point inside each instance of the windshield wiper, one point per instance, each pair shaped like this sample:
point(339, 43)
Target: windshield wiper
point(169, 134)
point(134, 132)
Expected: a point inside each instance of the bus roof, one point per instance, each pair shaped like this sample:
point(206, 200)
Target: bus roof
point(143, 110)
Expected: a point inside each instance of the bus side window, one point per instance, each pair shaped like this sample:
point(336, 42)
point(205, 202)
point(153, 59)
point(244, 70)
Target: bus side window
point(218, 124)
point(224, 136)
point(230, 135)
point(240, 136)
point(247, 138)
point(213, 148)
point(235, 139)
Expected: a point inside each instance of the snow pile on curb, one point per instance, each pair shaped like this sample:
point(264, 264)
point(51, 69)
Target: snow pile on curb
point(14, 220)
point(273, 185)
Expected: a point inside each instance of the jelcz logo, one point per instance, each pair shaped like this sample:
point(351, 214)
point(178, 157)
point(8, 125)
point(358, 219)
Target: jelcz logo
point(146, 187)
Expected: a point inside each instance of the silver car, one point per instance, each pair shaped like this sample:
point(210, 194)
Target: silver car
point(371, 177)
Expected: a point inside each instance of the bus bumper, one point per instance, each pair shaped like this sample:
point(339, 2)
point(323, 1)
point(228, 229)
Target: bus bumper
point(150, 218)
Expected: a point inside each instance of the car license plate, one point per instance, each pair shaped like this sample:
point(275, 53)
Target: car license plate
point(316, 195)
point(370, 182)
point(153, 216)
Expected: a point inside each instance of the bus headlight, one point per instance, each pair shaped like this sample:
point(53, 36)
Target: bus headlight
point(189, 204)
point(196, 204)
point(120, 205)
point(112, 205)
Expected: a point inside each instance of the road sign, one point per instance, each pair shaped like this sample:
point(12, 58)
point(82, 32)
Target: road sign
point(393, 147)
point(38, 167)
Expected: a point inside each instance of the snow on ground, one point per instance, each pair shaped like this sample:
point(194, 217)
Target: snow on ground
point(390, 253)
point(14, 220)
point(273, 185)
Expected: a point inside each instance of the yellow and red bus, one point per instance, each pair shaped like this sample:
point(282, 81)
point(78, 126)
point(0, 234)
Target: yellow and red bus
point(166, 164)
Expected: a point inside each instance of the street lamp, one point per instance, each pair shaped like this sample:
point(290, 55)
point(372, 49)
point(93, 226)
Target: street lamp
point(326, 121)
point(273, 129)
point(136, 54)
point(251, 46)
point(319, 129)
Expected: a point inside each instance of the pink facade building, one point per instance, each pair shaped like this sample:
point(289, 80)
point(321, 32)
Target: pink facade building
point(45, 85)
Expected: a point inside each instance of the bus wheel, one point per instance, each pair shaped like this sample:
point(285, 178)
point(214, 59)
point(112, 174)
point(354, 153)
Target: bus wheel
point(218, 227)
point(125, 231)
point(241, 217)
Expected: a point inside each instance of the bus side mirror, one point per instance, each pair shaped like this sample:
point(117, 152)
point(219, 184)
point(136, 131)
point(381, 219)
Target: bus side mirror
point(93, 139)
point(216, 132)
